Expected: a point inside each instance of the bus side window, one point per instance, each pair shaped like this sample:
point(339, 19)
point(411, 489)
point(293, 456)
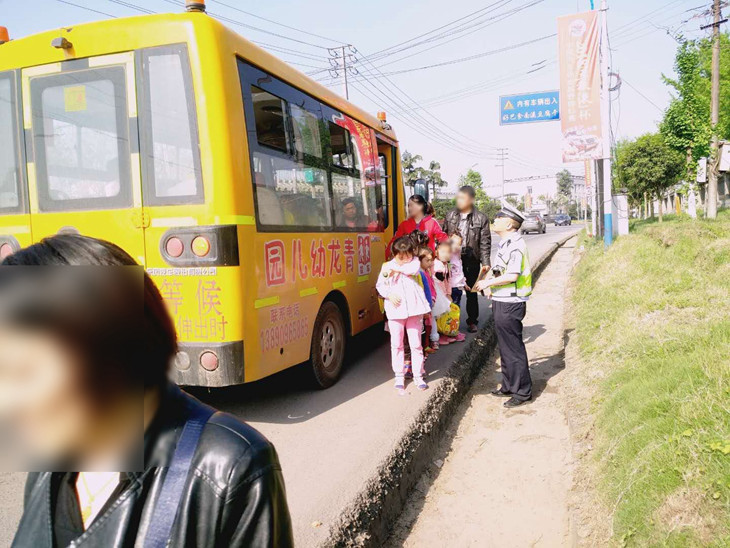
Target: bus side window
point(355, 187)
point(307, 138)
point(340, 142)
point(271, 124)
point(291, 189)
point(382, 189)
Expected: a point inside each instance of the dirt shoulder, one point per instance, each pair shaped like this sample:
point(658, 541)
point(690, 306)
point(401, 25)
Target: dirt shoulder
point(504, 477)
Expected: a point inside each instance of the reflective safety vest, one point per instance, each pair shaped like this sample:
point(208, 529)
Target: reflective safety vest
point(523, 286)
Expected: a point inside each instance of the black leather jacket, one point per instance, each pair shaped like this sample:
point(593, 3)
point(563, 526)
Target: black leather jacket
point(234, 494)
point(477, 240)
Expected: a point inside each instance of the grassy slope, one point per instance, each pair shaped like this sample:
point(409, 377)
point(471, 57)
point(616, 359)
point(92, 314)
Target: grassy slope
point(654, 317)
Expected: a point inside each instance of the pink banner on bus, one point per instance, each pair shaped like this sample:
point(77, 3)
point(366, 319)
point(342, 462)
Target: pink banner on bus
point(580, 97)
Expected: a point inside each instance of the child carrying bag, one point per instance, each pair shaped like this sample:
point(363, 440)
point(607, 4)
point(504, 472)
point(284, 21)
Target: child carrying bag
point(448, 323)
point(442, 304)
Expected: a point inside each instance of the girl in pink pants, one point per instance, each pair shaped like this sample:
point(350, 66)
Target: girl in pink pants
point(399, 283)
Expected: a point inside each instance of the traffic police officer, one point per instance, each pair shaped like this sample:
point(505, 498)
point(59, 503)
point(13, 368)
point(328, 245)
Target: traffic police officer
point(511, 286)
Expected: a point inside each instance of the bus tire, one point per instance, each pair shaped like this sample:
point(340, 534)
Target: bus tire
point(328, 345)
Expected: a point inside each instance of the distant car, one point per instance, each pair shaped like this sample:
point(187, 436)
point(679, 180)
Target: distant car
point(549, 218)
point(563, 220)
point(533, 223)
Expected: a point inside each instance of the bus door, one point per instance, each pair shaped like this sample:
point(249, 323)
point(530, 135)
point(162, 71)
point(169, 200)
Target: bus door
point(83, 153)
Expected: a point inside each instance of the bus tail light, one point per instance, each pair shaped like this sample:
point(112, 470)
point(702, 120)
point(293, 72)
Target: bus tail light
point(8, 246)
point(5, 251)
point(174, 247)
point(209, 364)
point(200, 246)
point(209, 360)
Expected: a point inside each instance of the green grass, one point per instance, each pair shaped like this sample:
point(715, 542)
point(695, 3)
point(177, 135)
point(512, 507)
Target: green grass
point(653, 316)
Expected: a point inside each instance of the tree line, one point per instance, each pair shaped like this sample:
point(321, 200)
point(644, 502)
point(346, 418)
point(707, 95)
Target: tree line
point(654, 162)
point(432, 175)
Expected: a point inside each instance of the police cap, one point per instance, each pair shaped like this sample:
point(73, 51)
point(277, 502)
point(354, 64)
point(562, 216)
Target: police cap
point(511, 212)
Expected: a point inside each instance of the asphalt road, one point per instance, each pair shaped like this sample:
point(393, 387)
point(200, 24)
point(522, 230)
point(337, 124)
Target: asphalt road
point(329, 441)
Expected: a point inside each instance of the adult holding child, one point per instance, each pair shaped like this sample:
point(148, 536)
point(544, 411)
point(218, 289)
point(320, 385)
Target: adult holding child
point(476, 249)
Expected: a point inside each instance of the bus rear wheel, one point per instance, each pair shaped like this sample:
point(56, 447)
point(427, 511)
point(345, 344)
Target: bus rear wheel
point(328, 345)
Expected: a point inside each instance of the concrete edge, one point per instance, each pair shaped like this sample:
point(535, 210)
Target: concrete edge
point(367, 521)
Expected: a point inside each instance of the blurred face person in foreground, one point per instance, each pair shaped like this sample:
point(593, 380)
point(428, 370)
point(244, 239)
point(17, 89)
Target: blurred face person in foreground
point(126, 457)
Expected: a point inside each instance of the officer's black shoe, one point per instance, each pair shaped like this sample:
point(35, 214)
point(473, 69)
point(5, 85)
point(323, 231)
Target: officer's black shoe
point(498, 392)
point(514, 402)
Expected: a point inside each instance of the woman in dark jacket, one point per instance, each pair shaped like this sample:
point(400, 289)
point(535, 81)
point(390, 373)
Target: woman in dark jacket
point(85, 353)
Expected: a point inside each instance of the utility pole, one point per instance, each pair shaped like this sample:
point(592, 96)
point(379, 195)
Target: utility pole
point(713, 171)
point(344, 72)
point(502, 152)
point(342, 59)
point(594, 200)
point(606, 129)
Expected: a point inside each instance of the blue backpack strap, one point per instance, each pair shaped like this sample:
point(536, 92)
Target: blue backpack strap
point(163, 516)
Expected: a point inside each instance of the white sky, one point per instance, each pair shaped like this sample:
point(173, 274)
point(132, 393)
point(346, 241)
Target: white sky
point(642, 51)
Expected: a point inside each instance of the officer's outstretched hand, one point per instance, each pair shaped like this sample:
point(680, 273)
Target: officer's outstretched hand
point(481, 285)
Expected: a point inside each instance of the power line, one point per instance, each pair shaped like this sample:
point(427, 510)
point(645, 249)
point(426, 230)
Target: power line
point(625, 81)
point(438, 28)
point(289, 50)
point(465, 144)
point(471, 57)
point(277, 23)
point(247, 26)
point(627, 35)
point(451, 34)
point(132, 6)
point(483, 87)
point(465, 31)
point(87, 8)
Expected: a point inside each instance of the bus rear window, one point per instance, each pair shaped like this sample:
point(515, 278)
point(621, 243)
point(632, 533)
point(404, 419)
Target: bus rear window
point(81, 139)
point(10, 170)
point(170, 153)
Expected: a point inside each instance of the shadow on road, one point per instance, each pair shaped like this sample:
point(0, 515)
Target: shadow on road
point(291, 396)
point(532, 332)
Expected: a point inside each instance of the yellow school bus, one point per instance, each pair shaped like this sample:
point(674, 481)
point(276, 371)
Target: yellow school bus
point(259, 201)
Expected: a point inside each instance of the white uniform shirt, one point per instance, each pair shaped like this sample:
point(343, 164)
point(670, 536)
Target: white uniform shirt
point(510, 251)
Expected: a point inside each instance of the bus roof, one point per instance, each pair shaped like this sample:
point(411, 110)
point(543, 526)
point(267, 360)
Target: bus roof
point(114, 36)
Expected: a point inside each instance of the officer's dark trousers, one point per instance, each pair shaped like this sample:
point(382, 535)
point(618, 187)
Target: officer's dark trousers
point(471, 273)
point(515, 371)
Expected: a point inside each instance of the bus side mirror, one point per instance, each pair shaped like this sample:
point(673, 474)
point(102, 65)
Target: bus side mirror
point(420, 186)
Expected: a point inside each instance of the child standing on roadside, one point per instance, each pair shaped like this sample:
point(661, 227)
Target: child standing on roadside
point(431, 339)
point(456, 269)
point(405, 305)
point(442, 280)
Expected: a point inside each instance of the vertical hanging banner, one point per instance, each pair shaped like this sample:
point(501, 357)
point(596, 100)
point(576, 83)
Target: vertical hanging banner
point(580, 90)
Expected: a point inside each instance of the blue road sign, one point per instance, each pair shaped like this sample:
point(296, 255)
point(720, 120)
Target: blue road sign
point(542, 106)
